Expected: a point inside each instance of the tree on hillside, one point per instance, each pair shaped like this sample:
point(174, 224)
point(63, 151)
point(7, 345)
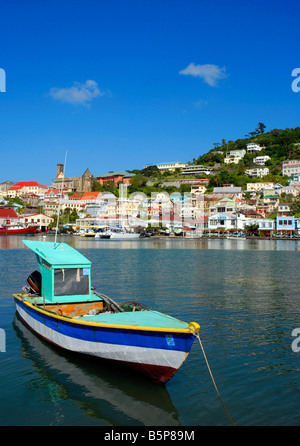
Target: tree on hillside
point(137, 182)
point(258, 131)
point(260, 128)
point(150, 171)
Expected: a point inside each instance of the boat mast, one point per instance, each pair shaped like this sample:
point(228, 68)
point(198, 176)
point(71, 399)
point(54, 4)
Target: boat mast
point(61, 191)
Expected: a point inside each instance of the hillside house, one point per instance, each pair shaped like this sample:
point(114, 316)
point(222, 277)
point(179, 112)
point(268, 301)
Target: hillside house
point(261, 160)
point(257, 172)
point(284, 209)
point(253, 148)
point(290, 167)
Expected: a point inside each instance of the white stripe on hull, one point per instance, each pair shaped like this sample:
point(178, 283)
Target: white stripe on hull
point(138, 355)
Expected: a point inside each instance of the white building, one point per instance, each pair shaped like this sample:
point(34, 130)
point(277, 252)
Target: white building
point(226, 221)
point(193, 169)
point(232, 159)
point(256, 187)
point(264, 224)
point(291, 190)
point(234, 156)
point(163, 167)
point(26, 187)
point(257, 172)
point(261, 160)
point(290, 167)
point(238, 222)
point(253, 148)
point(225, 190)
point(40, 220)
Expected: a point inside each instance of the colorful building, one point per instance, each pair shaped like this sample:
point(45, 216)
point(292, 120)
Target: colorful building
point(115, 177)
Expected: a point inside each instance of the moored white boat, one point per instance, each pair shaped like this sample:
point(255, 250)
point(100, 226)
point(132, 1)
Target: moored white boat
point(118, 234)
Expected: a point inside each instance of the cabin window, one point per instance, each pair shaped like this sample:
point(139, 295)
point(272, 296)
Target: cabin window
point(71, 281)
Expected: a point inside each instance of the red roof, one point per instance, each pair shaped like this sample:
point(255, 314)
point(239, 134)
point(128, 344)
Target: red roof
point(91, 196)
point(11, 213)
point(75, 197)
point(52, 191)
point(21, 184)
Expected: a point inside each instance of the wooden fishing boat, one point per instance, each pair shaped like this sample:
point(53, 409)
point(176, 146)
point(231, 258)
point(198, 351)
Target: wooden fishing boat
point(60, 305)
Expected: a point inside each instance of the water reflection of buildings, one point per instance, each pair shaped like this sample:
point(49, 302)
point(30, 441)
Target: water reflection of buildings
point(112, 395)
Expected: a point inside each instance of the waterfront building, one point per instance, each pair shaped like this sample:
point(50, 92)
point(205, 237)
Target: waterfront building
point(226, 221)
point(285, 225)
point(40, 220)
point(265, 225)
point(8, 216)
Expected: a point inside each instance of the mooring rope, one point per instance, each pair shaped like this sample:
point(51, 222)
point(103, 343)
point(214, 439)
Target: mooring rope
point(211, 375)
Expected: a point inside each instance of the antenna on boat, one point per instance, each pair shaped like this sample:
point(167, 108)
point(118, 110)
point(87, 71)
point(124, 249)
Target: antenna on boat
point(61, 190)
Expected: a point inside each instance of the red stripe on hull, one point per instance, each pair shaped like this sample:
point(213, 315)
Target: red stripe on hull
point(32, 230)
point(158, 373)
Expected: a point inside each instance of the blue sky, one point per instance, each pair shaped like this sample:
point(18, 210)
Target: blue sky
point(123, 83)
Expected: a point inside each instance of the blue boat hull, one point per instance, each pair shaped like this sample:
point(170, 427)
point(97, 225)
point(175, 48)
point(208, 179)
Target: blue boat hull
point(157, 353)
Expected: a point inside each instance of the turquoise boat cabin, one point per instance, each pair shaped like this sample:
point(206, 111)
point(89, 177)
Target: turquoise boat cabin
point(64, 273)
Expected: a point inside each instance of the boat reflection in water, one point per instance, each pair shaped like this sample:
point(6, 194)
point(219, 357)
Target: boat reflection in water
point(115, 397)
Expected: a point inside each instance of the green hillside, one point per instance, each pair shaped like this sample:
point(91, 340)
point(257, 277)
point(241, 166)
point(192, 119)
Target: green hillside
point(279, 144)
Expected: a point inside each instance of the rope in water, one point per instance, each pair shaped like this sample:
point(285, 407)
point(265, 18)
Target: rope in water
point(211, 375)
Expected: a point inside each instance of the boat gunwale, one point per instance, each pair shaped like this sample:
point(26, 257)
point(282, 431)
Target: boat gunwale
point(101, 324)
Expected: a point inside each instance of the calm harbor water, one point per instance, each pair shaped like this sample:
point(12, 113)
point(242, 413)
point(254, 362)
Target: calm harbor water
point(243, 293)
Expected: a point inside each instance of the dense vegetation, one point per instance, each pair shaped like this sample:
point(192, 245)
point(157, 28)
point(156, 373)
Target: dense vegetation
point(279, 144)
